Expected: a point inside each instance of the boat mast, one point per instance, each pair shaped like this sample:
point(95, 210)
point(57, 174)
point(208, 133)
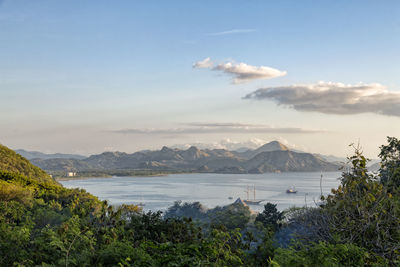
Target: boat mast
point(254, 192)
point(320, 183)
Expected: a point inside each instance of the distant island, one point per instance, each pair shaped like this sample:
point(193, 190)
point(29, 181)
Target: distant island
point(271, 157)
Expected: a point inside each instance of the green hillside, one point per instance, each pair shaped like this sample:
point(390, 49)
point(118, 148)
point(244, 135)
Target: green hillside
point(44, 224)
point(13, 162)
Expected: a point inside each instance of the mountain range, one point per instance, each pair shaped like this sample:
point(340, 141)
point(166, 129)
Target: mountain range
point(39, 155)
point(271, 157)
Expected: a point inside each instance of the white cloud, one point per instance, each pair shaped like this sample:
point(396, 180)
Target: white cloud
point(215, 128)
point(234, 31)
point(241, 72)
point(223, 124)
point(333, 98)
point(232, 145)
point(227, 144)
point(203, 64)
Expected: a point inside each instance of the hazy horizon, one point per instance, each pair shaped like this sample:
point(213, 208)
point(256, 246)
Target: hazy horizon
point(84, 78)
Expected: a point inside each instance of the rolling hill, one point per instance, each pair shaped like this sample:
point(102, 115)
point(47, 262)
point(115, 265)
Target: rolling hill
point(12, 162)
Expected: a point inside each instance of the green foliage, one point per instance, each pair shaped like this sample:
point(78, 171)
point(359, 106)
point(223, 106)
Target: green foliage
point(14, 192)
point(321, 254)
point(45, 224)
point(14, 241)
point(13, 162)
point(365, 213)
point(270, 217)
point(32, 216)
point(306, 224)
point(264, 250)
point(232, 216)
point(390, 164)
point(70, 244)
point(194, 210)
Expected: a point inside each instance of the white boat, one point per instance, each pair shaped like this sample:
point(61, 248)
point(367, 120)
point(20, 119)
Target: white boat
point(291, 190)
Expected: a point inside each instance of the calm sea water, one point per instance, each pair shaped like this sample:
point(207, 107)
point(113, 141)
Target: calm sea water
point(159, 193)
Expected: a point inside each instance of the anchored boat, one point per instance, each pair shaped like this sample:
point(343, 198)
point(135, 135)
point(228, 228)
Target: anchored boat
point(291, 190)
point(254, 201)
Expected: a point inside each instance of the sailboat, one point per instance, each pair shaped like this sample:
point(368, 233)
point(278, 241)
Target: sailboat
point(254, 201)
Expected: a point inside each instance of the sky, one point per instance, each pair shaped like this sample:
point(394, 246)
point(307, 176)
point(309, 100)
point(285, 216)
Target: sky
point(84, 77)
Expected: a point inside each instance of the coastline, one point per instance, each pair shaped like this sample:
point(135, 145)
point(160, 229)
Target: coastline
point(110, 176)
point(144, 175)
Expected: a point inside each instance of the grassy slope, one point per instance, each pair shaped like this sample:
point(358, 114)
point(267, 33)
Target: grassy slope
point(13, 162)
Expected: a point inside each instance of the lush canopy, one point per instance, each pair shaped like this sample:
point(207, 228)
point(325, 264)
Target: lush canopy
point(43, 223)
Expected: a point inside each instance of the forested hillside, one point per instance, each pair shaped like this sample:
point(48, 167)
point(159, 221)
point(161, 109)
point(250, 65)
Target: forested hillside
point(45, 224)
point(15, 163)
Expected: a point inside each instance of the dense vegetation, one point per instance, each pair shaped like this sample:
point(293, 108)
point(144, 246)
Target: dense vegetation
point(45, 224)
point(13, 162)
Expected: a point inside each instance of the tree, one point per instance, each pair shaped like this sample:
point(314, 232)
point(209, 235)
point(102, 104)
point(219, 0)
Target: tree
point(232, 216)
point(270, 217)
point(390, 163)
point(364, 212)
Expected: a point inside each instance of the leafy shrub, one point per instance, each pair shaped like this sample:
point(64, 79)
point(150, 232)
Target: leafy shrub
point(270, 216)
point(321, 254)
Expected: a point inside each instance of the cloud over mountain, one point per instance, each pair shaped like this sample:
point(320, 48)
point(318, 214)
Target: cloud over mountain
point(226, 143)
point(241, 72)
point(333, 98)
point(214, 128)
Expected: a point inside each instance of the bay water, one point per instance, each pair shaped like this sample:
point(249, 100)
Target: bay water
point(160, 192)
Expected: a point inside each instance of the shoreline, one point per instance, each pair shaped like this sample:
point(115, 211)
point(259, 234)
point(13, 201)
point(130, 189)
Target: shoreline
point(166, 174)
point(108, 177)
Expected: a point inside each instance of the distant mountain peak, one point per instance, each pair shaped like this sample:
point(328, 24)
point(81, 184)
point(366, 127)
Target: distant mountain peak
point(193, 149)
point(273, 146)
point(194, 153)
point(268, 147)
point(165, 149)
point(114, 153)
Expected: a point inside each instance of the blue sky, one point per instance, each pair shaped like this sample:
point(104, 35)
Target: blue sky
point(75, 76)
